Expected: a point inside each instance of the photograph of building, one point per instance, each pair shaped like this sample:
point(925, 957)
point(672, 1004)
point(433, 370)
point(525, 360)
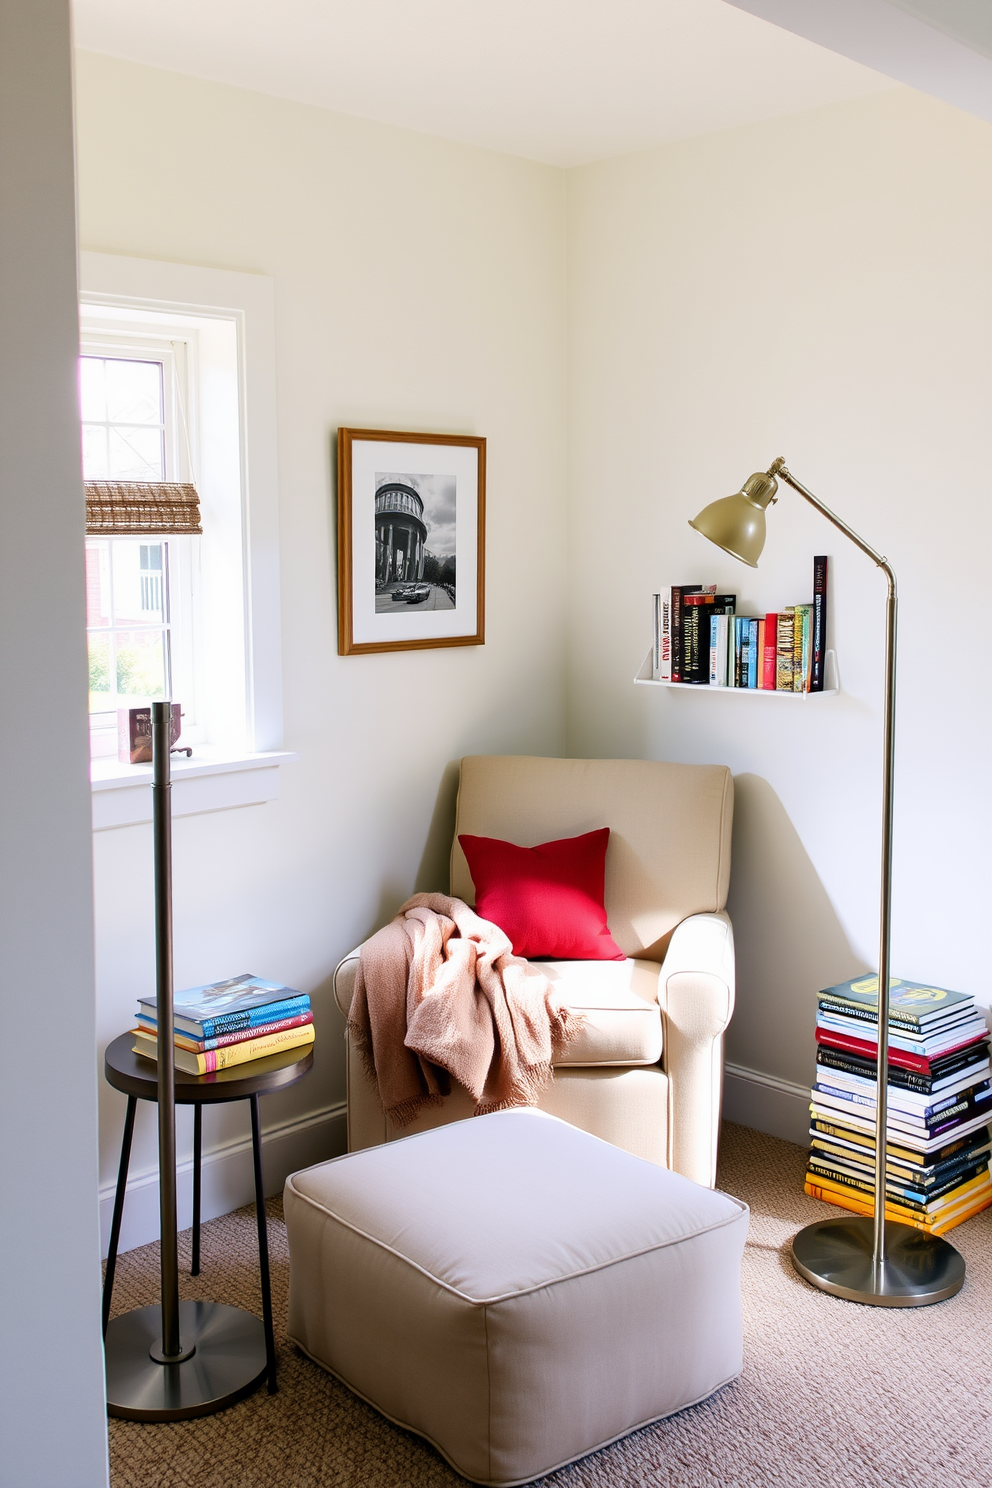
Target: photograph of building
point(414, 542)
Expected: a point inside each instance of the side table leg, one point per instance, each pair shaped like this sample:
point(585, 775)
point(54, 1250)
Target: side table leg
point(115, 1225)
point(194, 1269)
point(263, 1245)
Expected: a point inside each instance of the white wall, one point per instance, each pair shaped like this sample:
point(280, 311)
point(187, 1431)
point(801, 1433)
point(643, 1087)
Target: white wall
point(419, 285)
point(816, 287)
point(52, 1422)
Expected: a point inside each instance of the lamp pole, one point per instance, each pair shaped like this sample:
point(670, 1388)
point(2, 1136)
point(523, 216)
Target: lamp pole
point(779, 469)
point(886, 1264)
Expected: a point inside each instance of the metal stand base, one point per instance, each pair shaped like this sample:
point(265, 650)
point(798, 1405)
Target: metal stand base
point(227, 1362)
point(836, 1256)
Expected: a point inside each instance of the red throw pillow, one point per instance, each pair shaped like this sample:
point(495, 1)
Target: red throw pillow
point(547, 899)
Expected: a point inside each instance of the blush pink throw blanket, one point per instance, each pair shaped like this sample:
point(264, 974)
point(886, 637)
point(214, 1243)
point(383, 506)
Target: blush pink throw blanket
point(440, 996)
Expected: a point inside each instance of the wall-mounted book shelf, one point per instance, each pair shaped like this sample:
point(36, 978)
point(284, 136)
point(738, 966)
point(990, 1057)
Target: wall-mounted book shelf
point(831, 680)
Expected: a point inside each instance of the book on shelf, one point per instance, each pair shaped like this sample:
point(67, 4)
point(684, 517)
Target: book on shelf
point(697, 610)
point(719, 648)
point(665, 634)
point(656, 637)
point(231, 1054)
point(770, 652)
point(819, 639)
point(679, 591)
point(223, 1007)
point(785, 650)
point(937, 1142)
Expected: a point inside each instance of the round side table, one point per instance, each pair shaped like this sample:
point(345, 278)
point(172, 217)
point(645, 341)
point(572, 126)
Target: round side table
point(137, 1078)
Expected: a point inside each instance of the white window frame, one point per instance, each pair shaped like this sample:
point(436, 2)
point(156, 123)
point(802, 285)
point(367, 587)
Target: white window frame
point(233, 418)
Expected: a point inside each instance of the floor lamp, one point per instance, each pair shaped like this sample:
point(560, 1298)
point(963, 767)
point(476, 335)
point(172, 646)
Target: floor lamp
point(175, 1360)
point(859, 1258)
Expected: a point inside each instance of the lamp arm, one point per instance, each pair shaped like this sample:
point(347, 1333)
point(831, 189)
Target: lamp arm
point(778, 468)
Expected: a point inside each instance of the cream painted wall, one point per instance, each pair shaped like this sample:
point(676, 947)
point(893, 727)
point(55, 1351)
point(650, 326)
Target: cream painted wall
point(817, 287)
point(419, 284)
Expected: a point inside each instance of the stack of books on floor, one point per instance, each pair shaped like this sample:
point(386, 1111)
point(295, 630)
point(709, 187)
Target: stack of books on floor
point(939, 1104)
point(225, 1023)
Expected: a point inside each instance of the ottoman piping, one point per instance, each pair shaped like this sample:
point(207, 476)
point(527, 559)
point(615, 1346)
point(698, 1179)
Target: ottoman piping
point(538, 1286)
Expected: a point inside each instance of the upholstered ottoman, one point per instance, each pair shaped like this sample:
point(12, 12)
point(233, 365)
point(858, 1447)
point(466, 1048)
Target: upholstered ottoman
point(514, 1290)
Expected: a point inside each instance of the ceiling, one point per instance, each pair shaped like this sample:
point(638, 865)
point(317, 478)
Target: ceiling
point(561, 81)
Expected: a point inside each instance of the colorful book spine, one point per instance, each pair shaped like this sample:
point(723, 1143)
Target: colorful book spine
point(818, 661)
point(785, 636)
point(696, 609)
point(656, 637)
point(719, 648)
point(908, 1059)
point(739, 652)
point(965, 1067)
point(769, 653)
point(665, 639)
point(149, 1027)
point(802, 636)
point(679, 591)
point(218, 1059)
point(752, 653)
point(230, 1022)
point(850, 1199)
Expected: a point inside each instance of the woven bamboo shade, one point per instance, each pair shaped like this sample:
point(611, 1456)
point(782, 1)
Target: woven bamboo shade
point(141, 508)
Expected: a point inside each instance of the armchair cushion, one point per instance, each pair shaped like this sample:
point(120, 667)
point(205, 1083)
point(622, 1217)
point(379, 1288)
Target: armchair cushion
point(618, 1001)
point(548, 899)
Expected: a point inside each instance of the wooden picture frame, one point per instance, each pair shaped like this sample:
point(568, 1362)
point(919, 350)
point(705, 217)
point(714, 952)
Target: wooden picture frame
point(398, 494)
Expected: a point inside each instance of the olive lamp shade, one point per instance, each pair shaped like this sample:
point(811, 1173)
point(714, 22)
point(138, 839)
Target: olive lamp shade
point(737, 523)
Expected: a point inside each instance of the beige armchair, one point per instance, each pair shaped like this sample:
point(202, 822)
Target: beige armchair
point(646, 1072)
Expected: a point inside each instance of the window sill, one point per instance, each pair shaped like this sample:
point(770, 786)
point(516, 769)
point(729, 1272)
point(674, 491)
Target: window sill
point(211, 781)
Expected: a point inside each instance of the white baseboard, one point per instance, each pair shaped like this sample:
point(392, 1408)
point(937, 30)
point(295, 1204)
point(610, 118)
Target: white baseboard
point(227, 1181)
point(766, 1103)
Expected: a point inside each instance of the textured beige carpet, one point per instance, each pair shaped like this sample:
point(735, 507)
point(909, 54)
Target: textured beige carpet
point(832, 1393)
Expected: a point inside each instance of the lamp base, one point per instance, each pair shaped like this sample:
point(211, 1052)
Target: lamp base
point(836, 1255)
point(225, 1362)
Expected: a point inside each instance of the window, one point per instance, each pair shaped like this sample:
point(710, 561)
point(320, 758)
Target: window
point(139, 593)
point(172, 356)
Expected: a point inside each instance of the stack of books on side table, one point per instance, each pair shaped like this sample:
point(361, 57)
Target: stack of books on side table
point(225, 1023)
point(939, 1104)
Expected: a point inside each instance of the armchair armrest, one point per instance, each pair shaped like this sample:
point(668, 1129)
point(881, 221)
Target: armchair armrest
point(696, 993)
point(344, 981)
point(366, 1121)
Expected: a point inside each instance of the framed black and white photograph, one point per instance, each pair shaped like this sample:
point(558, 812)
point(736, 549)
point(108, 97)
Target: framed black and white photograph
point(411, 540)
